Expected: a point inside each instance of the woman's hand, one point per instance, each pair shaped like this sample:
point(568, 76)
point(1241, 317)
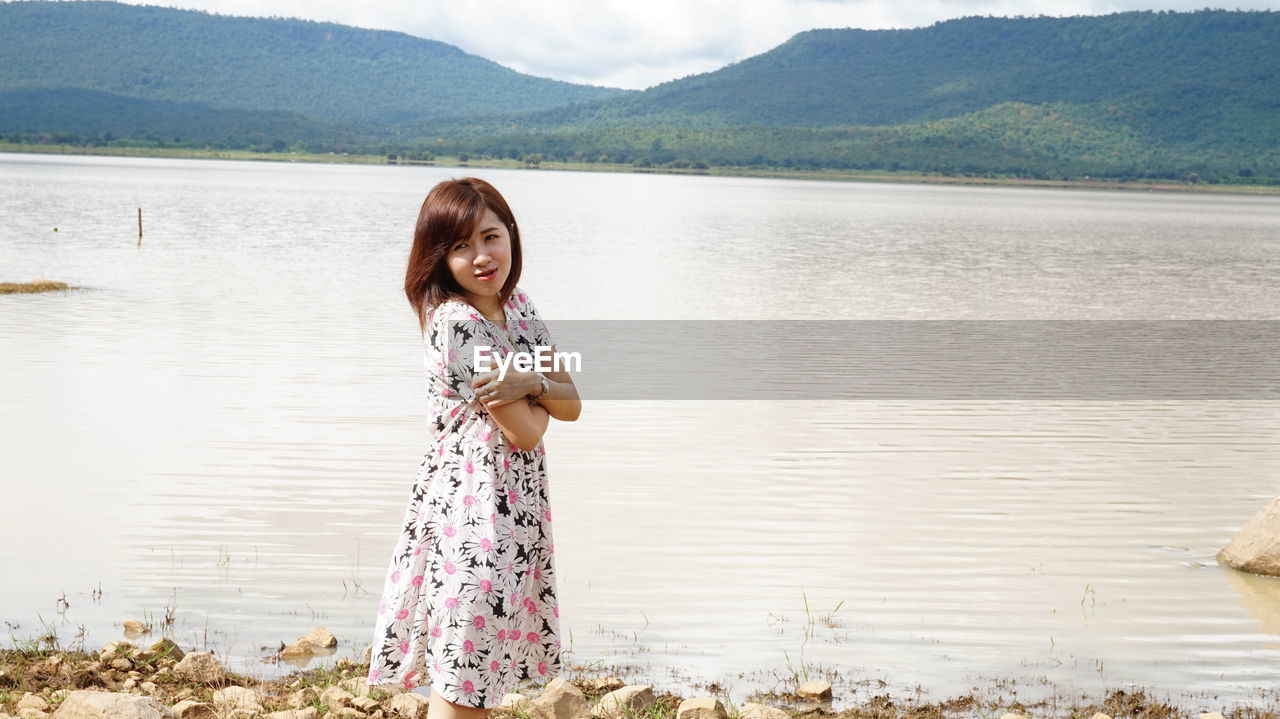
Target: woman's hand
point(561, 399)
point(493, 392)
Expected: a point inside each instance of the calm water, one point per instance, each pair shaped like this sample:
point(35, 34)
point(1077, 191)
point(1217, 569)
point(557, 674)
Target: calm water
point(228, 423)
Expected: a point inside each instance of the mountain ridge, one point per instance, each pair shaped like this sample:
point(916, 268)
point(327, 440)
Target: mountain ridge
point(1134, 94)
point(320, 69)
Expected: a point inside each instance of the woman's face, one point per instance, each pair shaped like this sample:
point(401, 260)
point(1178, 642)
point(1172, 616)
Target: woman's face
point(481, 263)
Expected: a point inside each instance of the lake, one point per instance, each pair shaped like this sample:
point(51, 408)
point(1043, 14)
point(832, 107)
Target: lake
point(224, 427)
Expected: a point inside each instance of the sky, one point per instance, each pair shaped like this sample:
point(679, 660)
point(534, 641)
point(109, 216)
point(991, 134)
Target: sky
point(639, 43)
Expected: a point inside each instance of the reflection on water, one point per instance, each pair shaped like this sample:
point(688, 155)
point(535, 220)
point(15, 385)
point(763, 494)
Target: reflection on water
point(228, 423)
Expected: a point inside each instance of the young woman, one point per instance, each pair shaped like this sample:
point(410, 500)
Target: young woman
point(469, 606)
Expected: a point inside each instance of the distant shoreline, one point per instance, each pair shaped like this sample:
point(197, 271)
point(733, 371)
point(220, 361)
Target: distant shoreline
point(830, 175)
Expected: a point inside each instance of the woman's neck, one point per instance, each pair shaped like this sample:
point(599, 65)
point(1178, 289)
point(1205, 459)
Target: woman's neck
point(490, 307)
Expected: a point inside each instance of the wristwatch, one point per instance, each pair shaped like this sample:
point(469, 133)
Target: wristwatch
point(545, 386)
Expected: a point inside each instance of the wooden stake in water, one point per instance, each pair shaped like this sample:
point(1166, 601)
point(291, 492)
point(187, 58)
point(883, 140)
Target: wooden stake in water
point(139, 227)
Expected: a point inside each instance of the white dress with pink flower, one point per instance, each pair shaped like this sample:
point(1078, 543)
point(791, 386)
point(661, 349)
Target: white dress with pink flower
point(469, 605)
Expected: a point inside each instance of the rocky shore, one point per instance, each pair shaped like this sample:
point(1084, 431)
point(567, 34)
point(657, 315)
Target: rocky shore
point(161, 681)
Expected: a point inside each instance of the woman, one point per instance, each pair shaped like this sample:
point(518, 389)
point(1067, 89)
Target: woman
point(469, 606)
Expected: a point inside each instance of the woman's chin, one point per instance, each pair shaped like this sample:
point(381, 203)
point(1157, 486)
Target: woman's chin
point(485, 290)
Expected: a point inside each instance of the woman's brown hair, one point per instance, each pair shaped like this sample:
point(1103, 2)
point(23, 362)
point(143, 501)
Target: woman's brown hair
point(449, 214)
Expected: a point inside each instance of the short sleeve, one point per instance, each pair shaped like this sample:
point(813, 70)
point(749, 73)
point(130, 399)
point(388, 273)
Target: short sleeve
point(537, 327)
point(454, 335)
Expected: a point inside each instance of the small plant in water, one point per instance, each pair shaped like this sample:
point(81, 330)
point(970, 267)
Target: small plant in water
point(799, 675)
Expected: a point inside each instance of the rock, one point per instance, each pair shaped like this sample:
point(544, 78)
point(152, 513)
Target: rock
point(367, 655)
point(232, 698)
point(32, 701)
point(385, 691)
point(320, 637)
point(514, 701)
point(632, 698)
point(559, 700)
point(167, 648)
point(308, 713)
point(600, 685)
point(1210, 715)
point(32, 714)
point(751, 710)
point(187, 709)
point(1100, 715)
point(1256, 547)
point(302, 698)
point(365, 705)
point(297, 650)
point(201, 668)
point(357, 686)
point(130, 683)
point(408, 706)
point(135, 627)
point(701, 708)
point(85, 704)
point(121, 664)
point(1011, 715)
point(815, 690)
point(243, 713)
point(148, 687)
point(115, 648)
point(336, 697)
point(347, 713)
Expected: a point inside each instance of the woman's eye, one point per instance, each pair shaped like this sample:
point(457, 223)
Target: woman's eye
point(460, 245)
point(490, 237)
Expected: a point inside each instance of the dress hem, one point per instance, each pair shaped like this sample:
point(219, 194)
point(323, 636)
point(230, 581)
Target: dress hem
point(431, 685)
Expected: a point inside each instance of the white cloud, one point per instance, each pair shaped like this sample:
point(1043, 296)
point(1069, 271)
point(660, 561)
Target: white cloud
point(638, 43)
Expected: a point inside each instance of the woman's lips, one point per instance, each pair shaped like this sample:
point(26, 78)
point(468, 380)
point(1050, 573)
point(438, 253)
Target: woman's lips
point(486, 276)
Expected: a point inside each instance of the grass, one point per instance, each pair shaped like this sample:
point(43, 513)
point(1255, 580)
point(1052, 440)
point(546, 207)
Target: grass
point(43, 644)
point(25, 288)
point(799, 672)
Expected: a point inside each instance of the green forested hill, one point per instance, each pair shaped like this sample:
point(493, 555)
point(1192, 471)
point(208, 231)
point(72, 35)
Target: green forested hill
point(320, 70)
point(1138, 94)
point(1129, 95)
point(1180, 73)
point(65, 115)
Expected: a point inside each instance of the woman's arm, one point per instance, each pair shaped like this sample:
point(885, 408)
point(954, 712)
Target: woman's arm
point(523, 423)
point(561, 399)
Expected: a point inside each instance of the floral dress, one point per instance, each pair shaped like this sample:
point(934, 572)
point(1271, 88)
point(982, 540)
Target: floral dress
point(469, 604)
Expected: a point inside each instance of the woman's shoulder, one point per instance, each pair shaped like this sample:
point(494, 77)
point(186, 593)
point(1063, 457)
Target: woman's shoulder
point(449, 310)
point(520, 299)
point(450, 322)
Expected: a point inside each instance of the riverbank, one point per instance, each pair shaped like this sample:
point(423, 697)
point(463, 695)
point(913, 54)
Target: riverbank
point(509, 164)
point(163, 681)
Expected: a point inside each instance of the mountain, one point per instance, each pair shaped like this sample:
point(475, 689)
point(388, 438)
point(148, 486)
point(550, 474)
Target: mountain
point(66, 114)
point(318, 70)
point(1181, 74)
point(1128, 95)
point(1131, 95)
